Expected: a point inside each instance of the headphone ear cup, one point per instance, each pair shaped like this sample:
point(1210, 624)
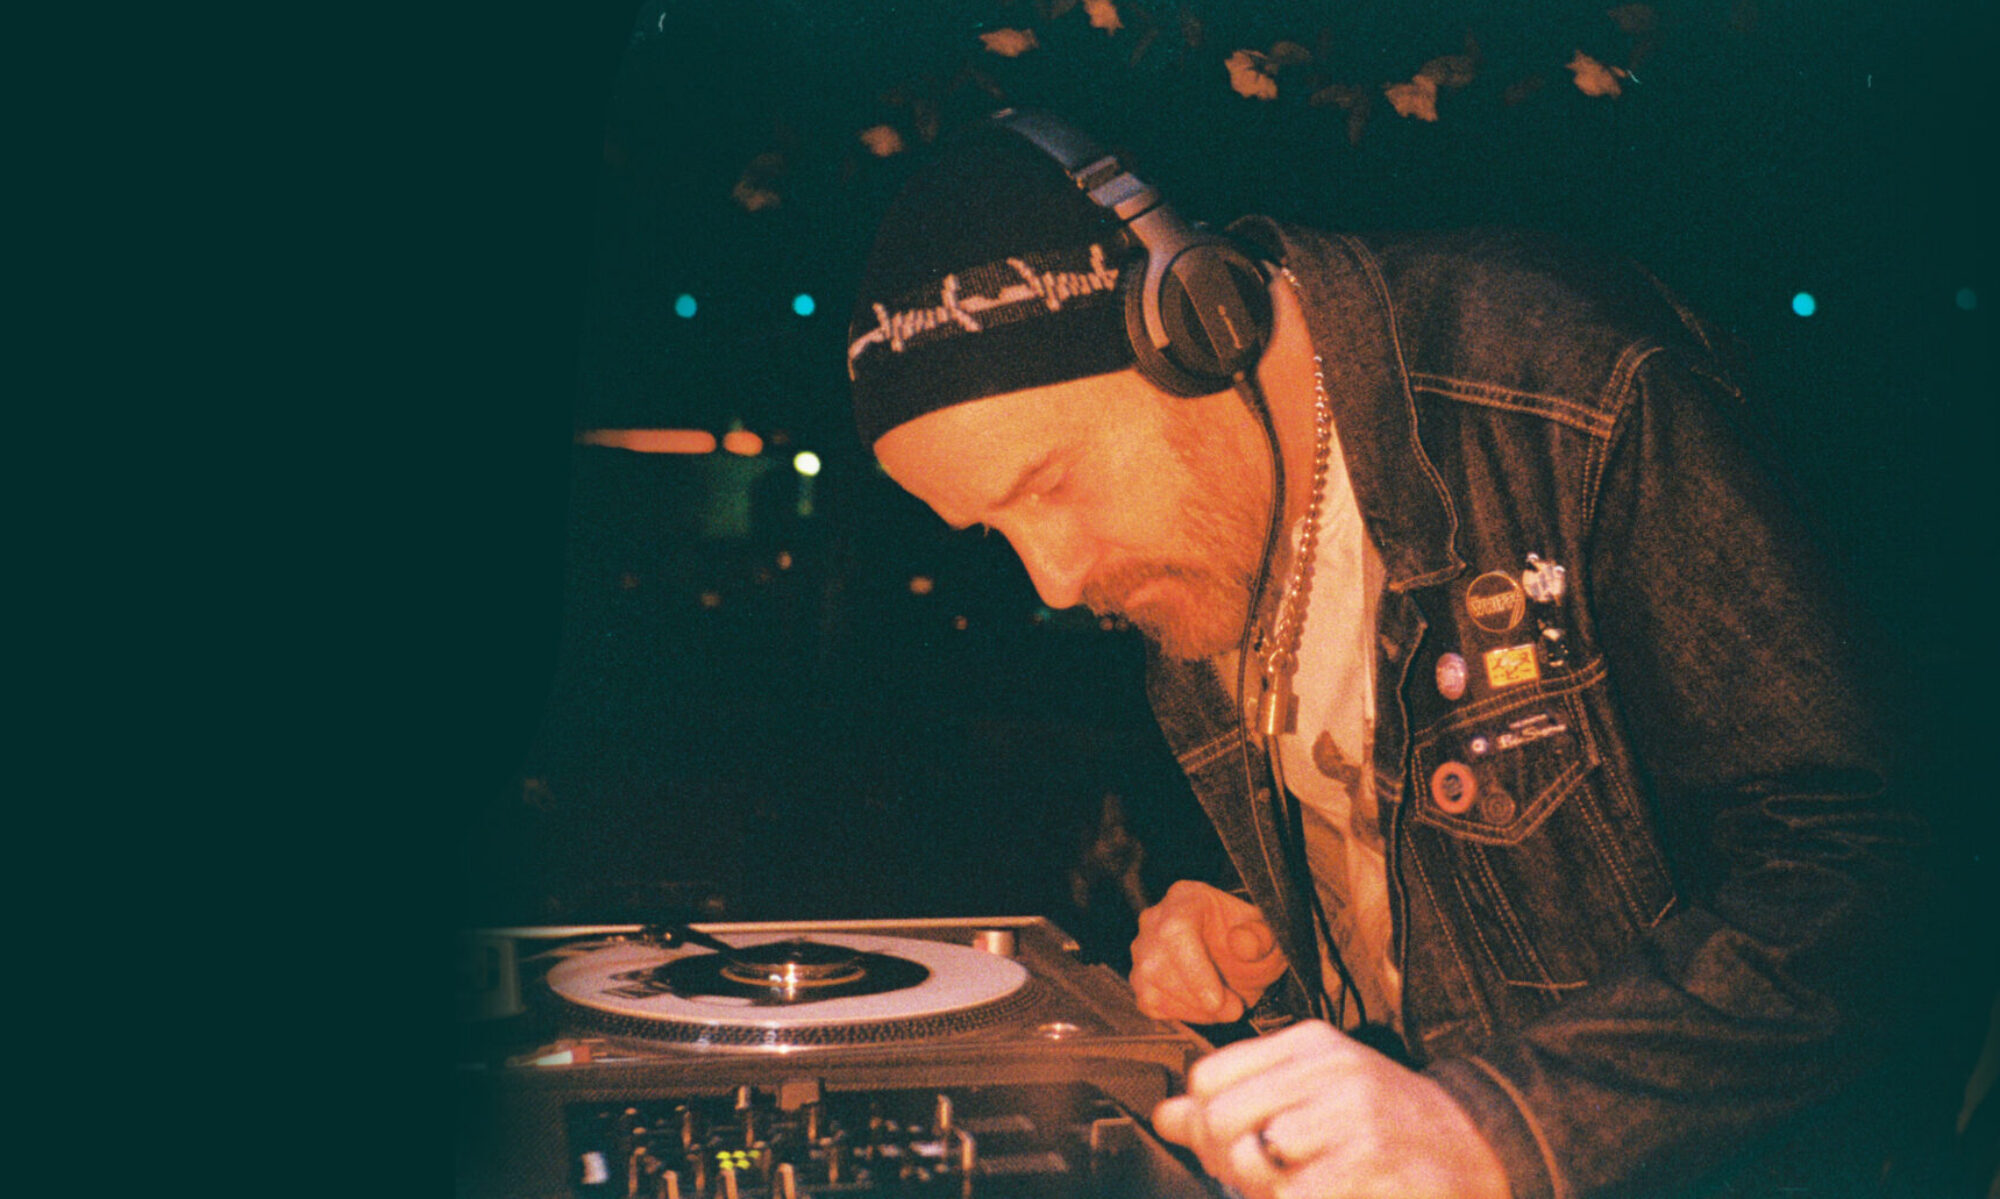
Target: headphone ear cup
point(1153, 363)
point(1214, 304)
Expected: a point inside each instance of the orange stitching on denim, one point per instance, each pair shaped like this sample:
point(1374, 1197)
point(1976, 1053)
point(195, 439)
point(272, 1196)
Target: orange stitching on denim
point(1493, 395)
point(1556, 1181)
point(1451, 939)
point(1366, 262)
point(1587, 675)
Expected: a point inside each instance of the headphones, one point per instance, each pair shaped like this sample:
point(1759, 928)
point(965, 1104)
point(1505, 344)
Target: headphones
point(1199, 311)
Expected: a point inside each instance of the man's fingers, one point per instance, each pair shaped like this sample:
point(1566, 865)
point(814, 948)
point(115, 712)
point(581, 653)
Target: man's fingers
point(1174, 1119)
point(1172, 999)
point(1223, 1069)
point(1173, 977)
point(1202, 955)
point(1308, 1111)
point(1177, 999)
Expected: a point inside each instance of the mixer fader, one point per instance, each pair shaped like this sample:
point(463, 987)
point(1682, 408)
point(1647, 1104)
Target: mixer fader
point(1053, 1141)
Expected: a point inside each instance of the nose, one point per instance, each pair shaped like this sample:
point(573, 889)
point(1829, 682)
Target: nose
point(1058, 557)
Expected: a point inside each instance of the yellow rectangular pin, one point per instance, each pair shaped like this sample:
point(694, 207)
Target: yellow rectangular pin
point(1511, 665)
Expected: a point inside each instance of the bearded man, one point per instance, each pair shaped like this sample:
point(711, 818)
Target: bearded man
point(1565, 858)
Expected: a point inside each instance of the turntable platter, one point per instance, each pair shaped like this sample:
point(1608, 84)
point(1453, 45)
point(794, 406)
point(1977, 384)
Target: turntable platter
point(909, 988)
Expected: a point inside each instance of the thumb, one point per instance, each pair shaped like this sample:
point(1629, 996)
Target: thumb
point(1250, 941)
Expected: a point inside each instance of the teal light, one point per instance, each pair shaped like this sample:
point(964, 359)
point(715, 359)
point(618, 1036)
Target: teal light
point(803, 304)
point(1804, 304)
point(1967, 300)
point(684, 305)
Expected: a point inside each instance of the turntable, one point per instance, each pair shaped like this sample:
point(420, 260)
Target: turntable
point(969, 1058)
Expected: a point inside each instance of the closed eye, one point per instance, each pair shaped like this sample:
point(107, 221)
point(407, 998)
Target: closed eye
point(1051, 480)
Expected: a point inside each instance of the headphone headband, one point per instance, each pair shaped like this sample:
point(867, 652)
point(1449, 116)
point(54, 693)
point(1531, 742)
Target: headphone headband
point(1199, 314)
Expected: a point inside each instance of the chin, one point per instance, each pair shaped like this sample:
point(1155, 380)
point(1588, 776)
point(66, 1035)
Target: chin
point(1190, 640)
point(1189, 618)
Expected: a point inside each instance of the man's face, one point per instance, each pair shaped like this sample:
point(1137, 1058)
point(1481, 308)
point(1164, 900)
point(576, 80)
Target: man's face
point(1113, 494)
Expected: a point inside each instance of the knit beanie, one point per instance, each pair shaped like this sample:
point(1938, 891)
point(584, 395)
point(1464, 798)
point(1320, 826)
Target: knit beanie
point(992, 272)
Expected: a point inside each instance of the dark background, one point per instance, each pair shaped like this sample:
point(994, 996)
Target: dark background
point(817, 740)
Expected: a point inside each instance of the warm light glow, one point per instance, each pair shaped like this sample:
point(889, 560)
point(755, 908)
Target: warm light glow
point(806, 463)
point(921, 585)
point(651, 441)
point(744, 442)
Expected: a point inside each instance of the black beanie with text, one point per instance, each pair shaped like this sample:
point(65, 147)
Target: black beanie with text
point(992, 272)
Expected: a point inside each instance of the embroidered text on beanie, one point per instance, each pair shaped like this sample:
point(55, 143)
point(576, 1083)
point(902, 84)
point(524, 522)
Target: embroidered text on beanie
point(992, 272)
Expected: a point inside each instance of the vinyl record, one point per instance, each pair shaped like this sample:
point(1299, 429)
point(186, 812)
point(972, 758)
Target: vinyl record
point(782, 992)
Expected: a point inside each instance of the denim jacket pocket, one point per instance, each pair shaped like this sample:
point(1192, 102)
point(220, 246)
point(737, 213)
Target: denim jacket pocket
point(1518, 831)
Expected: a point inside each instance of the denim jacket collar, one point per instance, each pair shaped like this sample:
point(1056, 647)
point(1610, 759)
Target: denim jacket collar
point(1352, 326)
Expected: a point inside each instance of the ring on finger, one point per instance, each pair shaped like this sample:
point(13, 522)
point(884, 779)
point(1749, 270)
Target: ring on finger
point(1272, 1154)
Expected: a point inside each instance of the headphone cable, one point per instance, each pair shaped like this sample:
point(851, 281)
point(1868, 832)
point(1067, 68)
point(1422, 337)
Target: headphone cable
point(1290, 825)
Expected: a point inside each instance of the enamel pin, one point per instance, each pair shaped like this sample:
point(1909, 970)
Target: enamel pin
point(1451, 676)
point(1495, 602)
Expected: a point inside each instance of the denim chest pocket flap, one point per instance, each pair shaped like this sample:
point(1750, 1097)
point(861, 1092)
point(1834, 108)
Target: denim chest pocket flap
point(1496, 771)
point(1526, 848)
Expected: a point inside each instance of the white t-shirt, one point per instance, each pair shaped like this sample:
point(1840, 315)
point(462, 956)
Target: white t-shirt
point(1328, 761)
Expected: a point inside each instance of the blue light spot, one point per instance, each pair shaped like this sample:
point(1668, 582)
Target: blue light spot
point(802, 304)
point(684, 305)
point(1968, 299)
point(1804, 304)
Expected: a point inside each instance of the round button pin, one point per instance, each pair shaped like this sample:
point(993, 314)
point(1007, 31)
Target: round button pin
point(1454, 788)
point(1495, 602)
point(1451, 676)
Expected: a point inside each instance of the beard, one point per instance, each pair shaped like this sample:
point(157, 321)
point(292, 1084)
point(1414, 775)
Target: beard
point(1199, 594)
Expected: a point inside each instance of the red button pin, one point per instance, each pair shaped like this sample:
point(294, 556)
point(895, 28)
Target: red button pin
point(1454, 788)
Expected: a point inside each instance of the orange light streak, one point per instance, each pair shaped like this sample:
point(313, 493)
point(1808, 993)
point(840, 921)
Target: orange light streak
point(651, 441)
point(744, 442)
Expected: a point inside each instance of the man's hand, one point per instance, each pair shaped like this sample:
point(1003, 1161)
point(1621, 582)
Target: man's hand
point(1202, 955)
point(1339, 1121)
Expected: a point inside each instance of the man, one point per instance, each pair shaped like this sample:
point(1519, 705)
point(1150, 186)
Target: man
point(1504, 676)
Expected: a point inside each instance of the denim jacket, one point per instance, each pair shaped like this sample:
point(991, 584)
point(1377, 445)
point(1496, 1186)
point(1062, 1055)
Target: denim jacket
point(1644, 865)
